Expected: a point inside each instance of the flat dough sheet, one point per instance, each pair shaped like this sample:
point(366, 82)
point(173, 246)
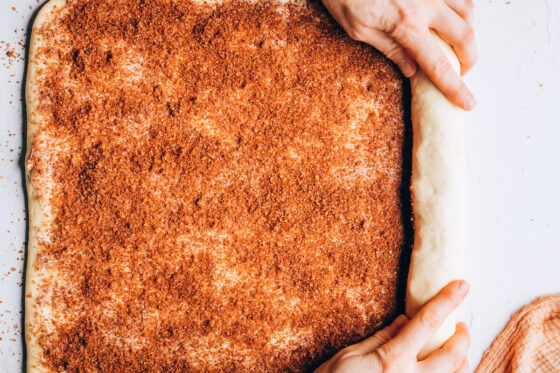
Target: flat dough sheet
point(437, 192)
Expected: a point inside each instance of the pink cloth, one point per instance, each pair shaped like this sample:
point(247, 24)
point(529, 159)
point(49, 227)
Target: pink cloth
point(530, 342)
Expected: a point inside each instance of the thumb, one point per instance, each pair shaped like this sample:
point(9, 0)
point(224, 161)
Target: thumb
point(391, 49)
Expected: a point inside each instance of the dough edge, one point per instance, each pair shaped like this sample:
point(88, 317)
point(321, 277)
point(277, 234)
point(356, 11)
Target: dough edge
point(438, 196)
point(38, 216)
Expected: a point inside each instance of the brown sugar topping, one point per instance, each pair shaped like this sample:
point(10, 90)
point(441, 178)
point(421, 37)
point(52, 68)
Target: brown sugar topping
point(227, 186)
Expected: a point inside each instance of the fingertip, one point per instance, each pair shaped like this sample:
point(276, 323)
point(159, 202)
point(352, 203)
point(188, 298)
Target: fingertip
point(465, 328)
point(457, 290)
point(400, 321)
point(463, 287)
point(407, 68)
point(468, 103)
point(468, 62)
point(461, 329)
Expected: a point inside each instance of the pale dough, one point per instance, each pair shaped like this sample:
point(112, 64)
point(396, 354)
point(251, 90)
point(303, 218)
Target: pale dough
point(438, 196)
point(39, 212)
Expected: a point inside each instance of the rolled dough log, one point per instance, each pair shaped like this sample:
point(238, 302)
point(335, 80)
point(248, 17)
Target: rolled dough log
point(438, 196)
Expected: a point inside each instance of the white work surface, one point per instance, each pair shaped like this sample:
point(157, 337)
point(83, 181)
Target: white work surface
point(513, 168)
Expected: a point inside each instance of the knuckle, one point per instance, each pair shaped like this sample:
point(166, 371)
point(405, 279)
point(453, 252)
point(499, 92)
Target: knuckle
point(429, 319)
point(441, 66)
point(387, 25)
point(408, 16)
point(409, 19)
point(403, 36)
point(468, 35)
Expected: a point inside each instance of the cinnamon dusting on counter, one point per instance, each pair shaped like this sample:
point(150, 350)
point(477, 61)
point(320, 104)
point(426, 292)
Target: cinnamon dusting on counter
point(227, 185)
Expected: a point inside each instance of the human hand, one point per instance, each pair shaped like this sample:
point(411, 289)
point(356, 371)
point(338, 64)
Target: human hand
point(400, 29)
point(394, 349)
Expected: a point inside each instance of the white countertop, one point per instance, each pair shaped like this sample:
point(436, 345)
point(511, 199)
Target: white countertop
point(513, 169)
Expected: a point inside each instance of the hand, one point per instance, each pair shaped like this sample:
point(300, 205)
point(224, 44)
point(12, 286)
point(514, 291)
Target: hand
point(394, 348)
point(400, 29)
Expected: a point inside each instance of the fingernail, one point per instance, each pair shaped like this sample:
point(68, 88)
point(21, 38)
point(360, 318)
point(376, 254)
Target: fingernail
point(464, 287)
point(470, 102)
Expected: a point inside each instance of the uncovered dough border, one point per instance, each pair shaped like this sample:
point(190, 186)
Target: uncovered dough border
point(38, 213)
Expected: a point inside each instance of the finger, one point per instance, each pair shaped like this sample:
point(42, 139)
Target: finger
point(414, 335)
point(382, 336)
point(456, 32)
point(422, 46)
point(451, 355)
point(390, 48)
point(464, 368)
point(464, 8)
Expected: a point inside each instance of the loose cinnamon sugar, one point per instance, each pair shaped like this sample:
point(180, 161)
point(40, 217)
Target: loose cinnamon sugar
point(227, 183)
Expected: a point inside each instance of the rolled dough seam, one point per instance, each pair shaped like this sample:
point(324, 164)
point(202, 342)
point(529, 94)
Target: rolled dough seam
point(438, 196)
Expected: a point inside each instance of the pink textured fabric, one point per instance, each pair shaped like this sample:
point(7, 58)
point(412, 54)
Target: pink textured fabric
point(530, 342)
